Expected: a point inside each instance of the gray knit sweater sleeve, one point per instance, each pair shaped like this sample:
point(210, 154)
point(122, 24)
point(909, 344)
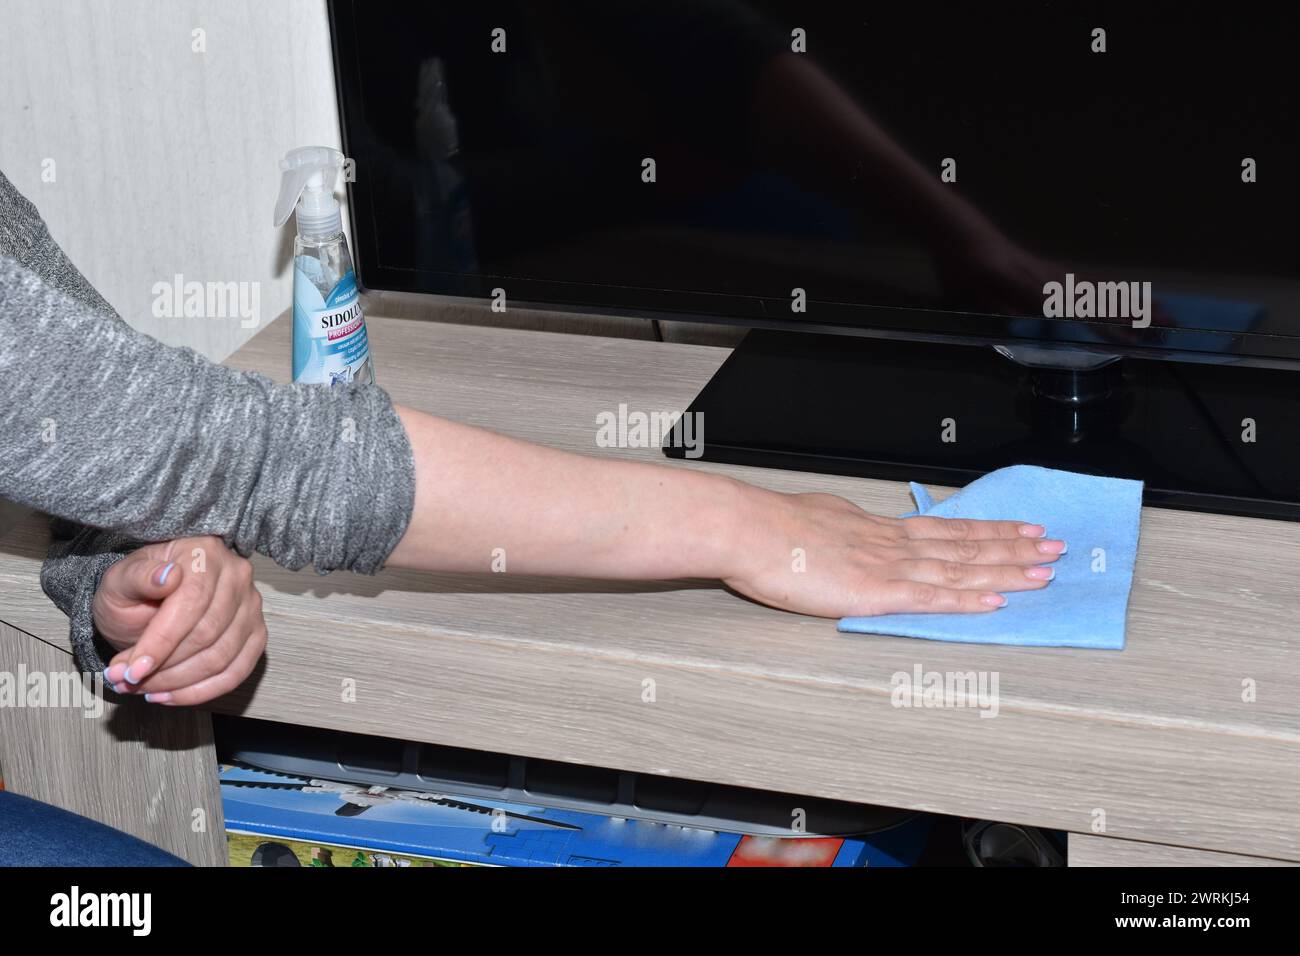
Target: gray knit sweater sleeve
point(77, 561)
point(103, 425)
point(109, 427)
point(78, 556)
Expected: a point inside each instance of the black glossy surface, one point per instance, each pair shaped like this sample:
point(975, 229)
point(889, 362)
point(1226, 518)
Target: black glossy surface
point(879, 409)
point(778, 170)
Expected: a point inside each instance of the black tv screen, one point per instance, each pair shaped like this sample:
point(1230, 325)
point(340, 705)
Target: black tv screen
point(1106, 175)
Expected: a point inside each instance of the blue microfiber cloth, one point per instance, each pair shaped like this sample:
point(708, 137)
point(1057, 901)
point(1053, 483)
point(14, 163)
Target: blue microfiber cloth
point(1084, 606)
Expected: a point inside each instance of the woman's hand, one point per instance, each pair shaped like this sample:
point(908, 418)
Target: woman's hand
point(185, 616)
point(820, 554)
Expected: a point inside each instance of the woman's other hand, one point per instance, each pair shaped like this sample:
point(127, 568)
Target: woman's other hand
point(186, 618)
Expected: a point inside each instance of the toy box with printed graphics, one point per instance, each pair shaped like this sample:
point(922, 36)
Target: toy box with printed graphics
point(277, 820)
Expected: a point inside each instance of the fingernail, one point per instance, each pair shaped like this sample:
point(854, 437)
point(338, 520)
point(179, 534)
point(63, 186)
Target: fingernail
point(166, 570)
point(1052, 547)
point(162, 697)
point(1040, 574)
point(993, 600)
point(1032, 530)
point(113, 673)
point(117, 689)
point(107, 679)
point(139, 670)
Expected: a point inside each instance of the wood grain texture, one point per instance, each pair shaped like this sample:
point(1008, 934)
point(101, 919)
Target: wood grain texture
point(1157, 736)
point(1087, 849)
point(148, 772)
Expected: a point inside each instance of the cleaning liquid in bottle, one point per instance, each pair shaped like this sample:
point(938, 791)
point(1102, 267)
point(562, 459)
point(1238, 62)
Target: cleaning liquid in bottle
point(329, 331)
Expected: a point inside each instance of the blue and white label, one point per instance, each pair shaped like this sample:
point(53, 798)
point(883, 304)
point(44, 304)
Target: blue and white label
point(329, 334)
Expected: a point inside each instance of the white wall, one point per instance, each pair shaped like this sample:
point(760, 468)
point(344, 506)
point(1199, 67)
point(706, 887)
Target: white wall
point(165, 159)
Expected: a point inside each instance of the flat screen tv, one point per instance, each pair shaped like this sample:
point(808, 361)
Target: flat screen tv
point(961, 235)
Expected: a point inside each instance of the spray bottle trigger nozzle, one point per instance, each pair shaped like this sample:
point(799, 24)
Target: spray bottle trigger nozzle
point(309, 167)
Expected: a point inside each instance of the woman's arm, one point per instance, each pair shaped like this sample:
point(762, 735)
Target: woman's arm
point(482, 498)
point(107, 426)
point(203, 616)
point(78, 556)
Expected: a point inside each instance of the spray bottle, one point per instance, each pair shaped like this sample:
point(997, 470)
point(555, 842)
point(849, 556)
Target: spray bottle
point(329, 331)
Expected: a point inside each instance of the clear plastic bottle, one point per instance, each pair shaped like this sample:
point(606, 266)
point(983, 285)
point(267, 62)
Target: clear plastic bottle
point(325, 262)
point(330, 346)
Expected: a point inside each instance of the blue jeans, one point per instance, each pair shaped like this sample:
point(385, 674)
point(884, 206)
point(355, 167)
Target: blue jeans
point(37, 834)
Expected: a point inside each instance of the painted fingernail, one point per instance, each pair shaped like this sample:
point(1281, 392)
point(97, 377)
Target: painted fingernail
point(993, 600)
point(1032, 531)
point(113, 674)
point(139, 670)
point(162, 697)
point(1052, 547)
point(118, 689)
point(163, 572)
point(1040, 574)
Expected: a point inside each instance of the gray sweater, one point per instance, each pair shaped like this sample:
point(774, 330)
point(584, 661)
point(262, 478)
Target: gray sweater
point(135, 441)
